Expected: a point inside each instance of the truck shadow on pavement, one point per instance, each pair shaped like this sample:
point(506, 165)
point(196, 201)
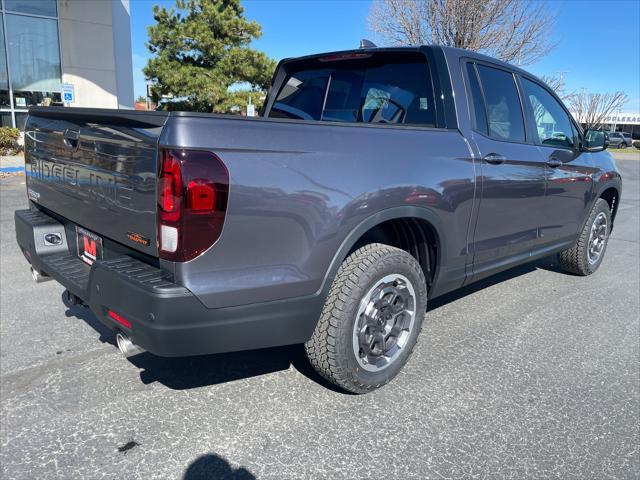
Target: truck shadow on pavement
point(183, 373)
point(193, 372)
point(212, 466)
point(547, 263)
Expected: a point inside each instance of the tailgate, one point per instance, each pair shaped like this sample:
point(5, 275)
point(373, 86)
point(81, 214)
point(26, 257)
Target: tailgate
point(97, 168)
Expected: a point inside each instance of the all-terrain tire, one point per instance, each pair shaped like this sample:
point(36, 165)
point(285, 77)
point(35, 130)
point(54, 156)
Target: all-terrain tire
point(576, 259)
point(330, 350)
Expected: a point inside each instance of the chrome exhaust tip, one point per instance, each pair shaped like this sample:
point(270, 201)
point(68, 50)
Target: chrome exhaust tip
point(39, 277)
point(126, 346)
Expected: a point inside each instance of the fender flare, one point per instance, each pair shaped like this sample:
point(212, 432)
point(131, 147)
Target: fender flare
point(408, 211)
point(601, 187)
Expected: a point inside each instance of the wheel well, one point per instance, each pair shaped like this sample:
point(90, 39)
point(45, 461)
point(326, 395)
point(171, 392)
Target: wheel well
point(413, 235)
point(611, 196)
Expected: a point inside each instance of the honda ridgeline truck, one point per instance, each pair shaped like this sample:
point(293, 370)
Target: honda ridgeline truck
point(375, 179)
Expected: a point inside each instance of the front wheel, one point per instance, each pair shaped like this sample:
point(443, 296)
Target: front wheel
point(586, 255)
point(371, 319)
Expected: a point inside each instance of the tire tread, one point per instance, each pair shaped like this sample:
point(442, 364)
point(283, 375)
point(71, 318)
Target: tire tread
point(575, 260)
point(322, 349)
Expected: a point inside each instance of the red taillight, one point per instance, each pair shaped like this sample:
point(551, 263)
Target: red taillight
point(170, 185)
point(344, 56)
point(193, 187)
point(167, 202)
point(119, 319)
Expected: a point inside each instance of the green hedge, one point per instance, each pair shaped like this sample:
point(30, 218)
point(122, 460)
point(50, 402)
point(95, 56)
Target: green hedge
point(9, 141)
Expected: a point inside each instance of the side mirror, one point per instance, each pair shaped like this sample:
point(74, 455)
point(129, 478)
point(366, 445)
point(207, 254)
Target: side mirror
point(595, 141)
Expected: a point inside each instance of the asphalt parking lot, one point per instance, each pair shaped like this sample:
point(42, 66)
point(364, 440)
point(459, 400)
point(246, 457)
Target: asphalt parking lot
point(530, 374)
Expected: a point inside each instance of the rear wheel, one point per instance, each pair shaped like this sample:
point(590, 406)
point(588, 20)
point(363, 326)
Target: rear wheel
point(371, 319)
point(586, 255)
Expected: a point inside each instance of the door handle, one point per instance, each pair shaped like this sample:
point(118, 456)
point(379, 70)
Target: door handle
point(554, 162)
point(494, 158)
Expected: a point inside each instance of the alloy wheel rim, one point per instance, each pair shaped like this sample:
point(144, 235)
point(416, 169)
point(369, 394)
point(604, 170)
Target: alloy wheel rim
point(597, 238)
point(384, 322)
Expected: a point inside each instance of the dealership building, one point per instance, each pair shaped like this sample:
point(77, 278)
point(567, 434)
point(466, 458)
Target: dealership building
point(624, 122)
point(72, 52)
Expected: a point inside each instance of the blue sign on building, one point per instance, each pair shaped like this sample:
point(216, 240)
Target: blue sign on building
point(68, 95)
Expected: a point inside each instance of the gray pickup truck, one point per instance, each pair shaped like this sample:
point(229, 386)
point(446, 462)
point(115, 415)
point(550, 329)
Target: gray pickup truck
point(374, 180)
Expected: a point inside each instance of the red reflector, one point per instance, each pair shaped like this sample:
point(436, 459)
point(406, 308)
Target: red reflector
point(119, 319)
point(201, 196)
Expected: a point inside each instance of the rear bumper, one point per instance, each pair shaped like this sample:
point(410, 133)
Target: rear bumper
point(166, 319)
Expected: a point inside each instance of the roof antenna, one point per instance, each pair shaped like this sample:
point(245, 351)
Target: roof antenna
point(364, 43)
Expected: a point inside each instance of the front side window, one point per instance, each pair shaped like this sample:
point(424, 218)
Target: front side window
point(553, 127)
point(503, 104)
point(384, 88)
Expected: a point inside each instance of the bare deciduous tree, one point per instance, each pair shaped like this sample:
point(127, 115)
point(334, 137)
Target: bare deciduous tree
point(591, 109)
point(557, 83)
point(511, 30)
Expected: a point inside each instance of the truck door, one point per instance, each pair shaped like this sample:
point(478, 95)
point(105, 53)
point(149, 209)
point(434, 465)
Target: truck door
point(568, 170)
point(512, 179)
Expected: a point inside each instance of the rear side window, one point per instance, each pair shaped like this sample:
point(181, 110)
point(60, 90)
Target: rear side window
point(504, 112)
point(384, 88)
point(479, 111)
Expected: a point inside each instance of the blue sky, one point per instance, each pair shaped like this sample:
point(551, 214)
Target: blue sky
point(598, 42)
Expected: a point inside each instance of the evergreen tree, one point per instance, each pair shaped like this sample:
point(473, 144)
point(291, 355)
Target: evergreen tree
point(201, 48)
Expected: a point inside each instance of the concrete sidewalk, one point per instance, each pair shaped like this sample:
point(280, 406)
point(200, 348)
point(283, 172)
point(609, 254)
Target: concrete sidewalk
point(12, 163)
point(631, 153)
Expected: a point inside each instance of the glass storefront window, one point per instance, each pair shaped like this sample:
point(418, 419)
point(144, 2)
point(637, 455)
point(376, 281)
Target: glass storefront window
point(24, 99)
point(32, 7)
point(4, 98)
point(5, 119)
point(34, 57)
point(4, 78)
point(21, 119)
